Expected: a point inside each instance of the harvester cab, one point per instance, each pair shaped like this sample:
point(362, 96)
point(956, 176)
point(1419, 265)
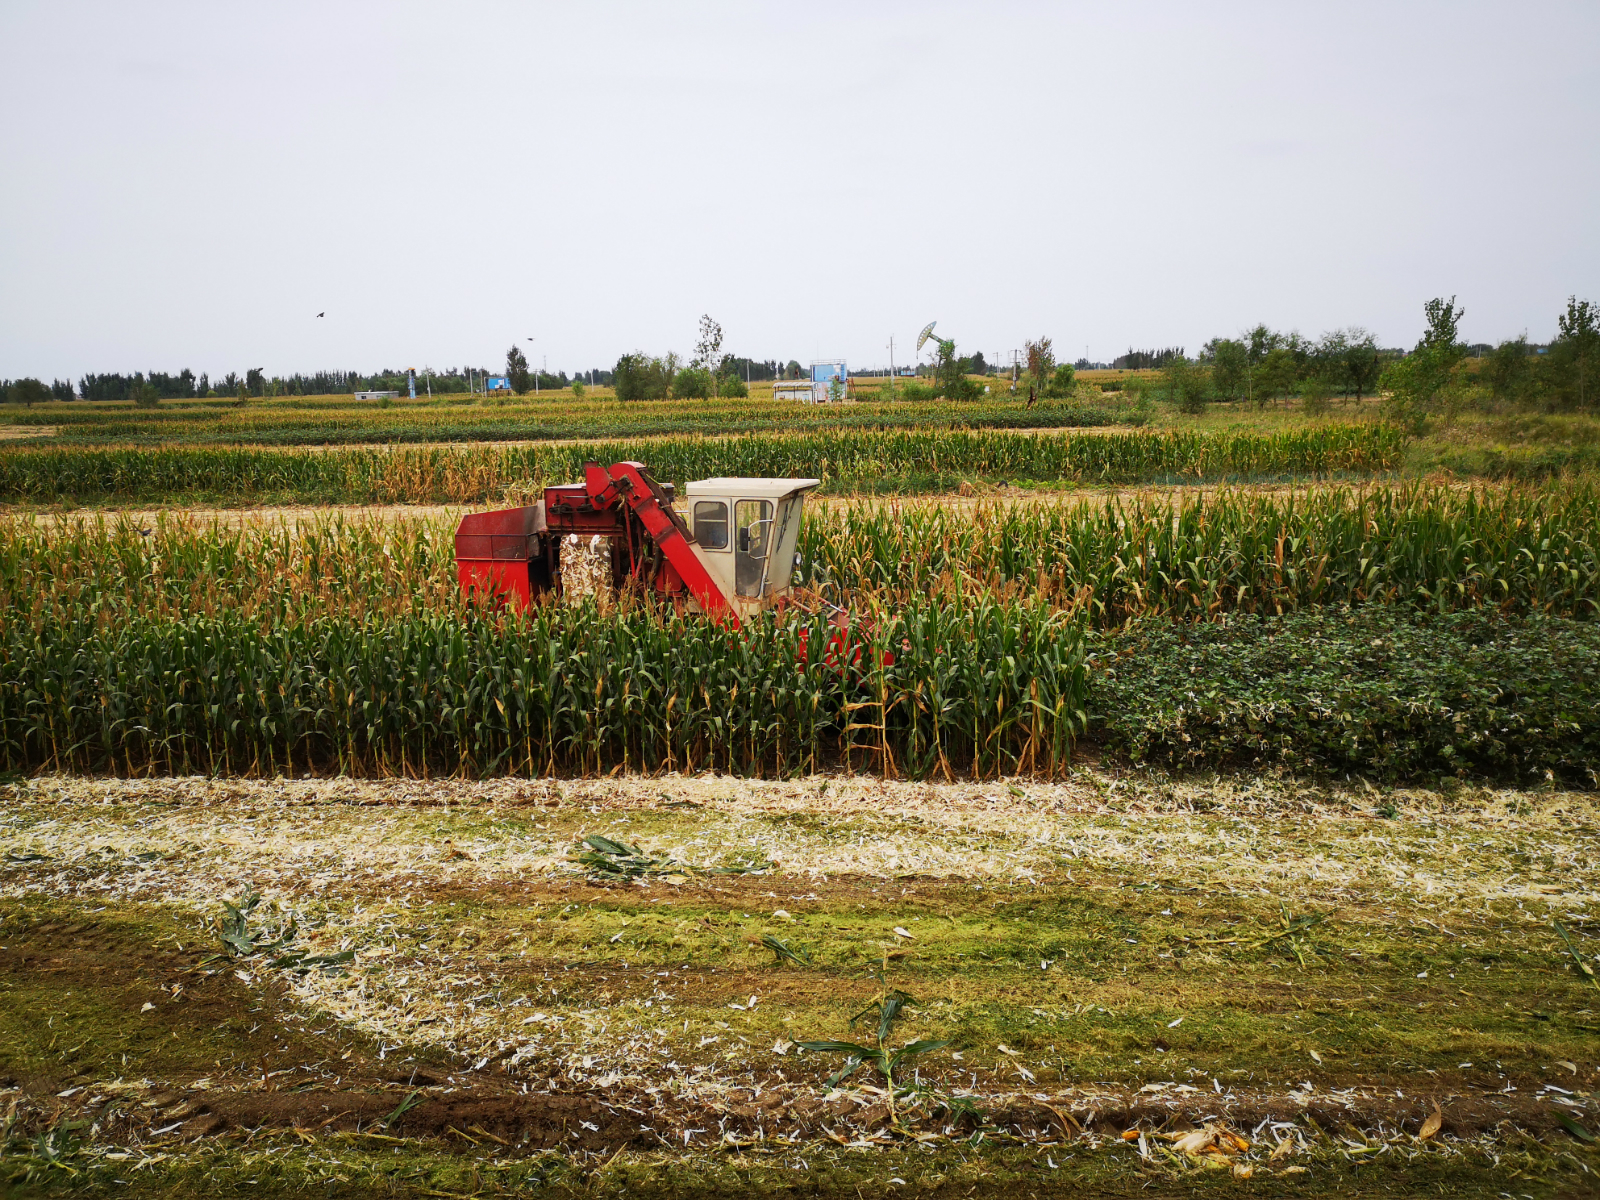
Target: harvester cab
point(732, 557)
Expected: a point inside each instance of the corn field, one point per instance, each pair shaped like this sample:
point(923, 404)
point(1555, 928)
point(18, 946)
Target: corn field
point(1522, 549)
point(908, 461)
point(1435, 548)
point(345, 645)
point(934, 688)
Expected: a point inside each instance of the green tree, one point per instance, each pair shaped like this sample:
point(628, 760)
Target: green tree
point(1276, 376)
point(728, 381)
point(1259, 343)
point(1575, 355)
point(147, 395)
point(1187, 385)
point(950, 374)
point(255, 381)
point(578, 389)
point(1426, 382)
point(1314, 394)
point(1361, 361)
point(692, 383)
point(708, 350)
point(1063, 381)
point(1230, 367)
point(1041, 359)
point(28, 392)
point(637, 376)
point(1509, 372)
point(517, 369)
point(1443, 335)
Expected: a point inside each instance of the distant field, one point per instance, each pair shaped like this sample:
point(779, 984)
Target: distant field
point(1480, 444)
point(343, 420)
point(846, 461)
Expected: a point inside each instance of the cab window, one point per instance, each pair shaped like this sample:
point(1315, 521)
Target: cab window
point(711, 524)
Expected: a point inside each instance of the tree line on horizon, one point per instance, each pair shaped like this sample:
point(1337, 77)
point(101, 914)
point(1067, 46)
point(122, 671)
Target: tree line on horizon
point(1438, 376)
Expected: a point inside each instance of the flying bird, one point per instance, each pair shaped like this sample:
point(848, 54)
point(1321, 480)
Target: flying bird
point(322, 314)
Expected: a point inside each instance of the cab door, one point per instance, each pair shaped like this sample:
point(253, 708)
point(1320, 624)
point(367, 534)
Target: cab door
point(752, 523)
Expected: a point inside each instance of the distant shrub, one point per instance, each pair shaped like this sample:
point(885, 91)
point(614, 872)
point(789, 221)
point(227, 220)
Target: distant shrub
point(640, 377)
point(916, 391)
point(1187, 385)
point(692, 383)
point(577, 389)
point(1316, 397)
point(1064, 382)
point(731, 386)
point(146, 396)
point(1142, 410)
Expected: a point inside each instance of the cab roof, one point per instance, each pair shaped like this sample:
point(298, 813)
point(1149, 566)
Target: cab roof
point(749, 489)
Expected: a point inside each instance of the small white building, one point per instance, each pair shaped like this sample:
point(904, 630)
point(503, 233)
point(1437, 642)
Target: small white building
point(830, 380)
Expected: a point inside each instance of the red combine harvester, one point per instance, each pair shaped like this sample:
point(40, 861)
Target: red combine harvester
point(733, 557)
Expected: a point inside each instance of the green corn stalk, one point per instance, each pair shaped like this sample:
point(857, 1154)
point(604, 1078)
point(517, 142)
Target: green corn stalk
point(888, 1009)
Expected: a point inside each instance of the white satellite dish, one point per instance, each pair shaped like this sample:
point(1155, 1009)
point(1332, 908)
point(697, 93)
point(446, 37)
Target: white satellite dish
point(927, 332)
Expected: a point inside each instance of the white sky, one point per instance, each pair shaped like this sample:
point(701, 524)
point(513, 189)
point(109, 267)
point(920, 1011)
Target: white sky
point(189, 184)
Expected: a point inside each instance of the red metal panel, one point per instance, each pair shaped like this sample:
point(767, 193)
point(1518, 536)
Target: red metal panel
point(505, 581)
point(503, 534)
point(492, 552)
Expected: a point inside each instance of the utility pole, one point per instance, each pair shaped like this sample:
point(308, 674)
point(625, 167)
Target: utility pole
point(891, 365)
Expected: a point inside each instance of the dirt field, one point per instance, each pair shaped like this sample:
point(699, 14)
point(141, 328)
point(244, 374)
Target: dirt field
point(432, 993)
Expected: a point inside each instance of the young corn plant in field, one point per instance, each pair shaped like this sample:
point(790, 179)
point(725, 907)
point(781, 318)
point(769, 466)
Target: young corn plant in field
point(881, 1057)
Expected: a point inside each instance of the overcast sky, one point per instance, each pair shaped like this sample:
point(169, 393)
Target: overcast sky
point(190, 184)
